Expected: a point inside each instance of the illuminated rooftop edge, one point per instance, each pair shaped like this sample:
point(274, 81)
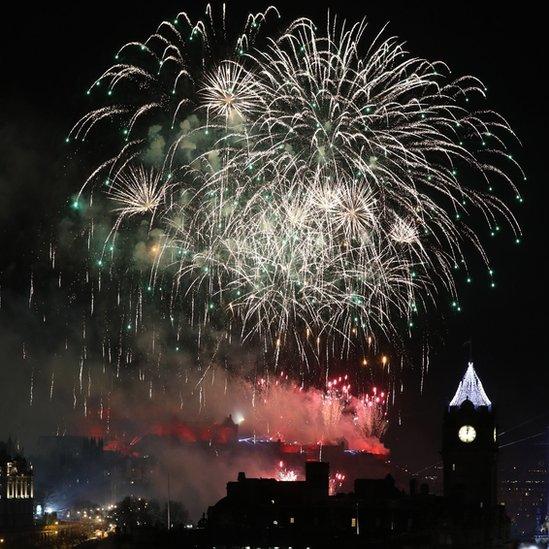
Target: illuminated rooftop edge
point(470, 388)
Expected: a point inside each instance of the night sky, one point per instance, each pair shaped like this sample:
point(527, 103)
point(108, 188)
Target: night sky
point(49, 55)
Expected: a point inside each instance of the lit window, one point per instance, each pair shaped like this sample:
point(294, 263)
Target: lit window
point(353, 522)
point(292, 520)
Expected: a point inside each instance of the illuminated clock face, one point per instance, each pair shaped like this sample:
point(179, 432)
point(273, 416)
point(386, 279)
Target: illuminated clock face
point(467, 433)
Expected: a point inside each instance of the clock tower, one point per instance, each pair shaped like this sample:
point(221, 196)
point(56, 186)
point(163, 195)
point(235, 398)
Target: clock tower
point(469, 446)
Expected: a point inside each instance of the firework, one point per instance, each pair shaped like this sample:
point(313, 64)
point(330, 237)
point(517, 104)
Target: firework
point(284, 473)
point(285, 411)
point(370, 413)
point(318, 182)
point(336, 482)
point(137, 191)
point(336, 399)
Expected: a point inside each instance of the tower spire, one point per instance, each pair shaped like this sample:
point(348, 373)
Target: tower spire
point(470, 388)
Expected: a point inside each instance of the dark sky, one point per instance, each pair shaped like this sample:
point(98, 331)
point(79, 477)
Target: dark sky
point(49, 55)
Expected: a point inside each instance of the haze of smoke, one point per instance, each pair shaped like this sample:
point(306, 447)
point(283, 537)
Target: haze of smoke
point(273, 410)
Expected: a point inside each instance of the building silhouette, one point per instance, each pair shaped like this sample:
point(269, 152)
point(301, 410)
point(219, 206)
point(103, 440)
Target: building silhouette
point(16, 489)
point(377, 513)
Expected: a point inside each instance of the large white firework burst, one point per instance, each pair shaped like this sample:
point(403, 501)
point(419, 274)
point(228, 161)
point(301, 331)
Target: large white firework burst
point(319, 181)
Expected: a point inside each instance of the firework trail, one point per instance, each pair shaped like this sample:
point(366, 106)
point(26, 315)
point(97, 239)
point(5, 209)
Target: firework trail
point(370, 413)
point(336, 399)
point(317, 182)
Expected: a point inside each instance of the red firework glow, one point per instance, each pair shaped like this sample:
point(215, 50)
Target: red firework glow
point(179, 431)
point(287, 474)
point(271, 409)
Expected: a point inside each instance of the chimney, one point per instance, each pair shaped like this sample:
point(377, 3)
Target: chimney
point(317, 475)
point(413, 486)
